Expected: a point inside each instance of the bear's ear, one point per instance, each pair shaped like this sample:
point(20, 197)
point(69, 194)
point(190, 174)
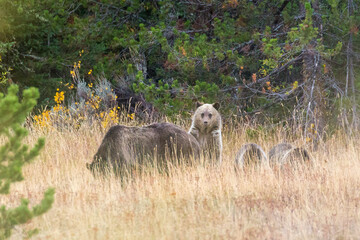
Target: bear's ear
point(216, 105)
point(88, 166)
point(199, 104)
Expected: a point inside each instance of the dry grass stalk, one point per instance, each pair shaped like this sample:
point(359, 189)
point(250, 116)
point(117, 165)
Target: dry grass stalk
point(196, 202)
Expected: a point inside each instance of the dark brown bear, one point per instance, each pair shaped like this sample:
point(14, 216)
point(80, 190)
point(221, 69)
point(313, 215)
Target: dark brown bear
point(125, 147)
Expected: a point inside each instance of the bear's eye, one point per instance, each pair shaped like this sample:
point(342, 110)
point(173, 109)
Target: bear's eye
point(202, 115)
point(210, 115)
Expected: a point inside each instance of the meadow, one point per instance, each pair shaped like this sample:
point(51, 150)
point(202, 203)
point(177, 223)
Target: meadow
point(191, 202)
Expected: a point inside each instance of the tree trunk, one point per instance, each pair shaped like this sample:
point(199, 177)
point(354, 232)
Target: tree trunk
point(350, 78)
point(313, 101)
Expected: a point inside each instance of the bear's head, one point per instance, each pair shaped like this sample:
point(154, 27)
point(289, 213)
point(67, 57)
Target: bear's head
point(206, 117)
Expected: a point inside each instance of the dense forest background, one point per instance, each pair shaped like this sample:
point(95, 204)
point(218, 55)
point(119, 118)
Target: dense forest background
point(273, 61)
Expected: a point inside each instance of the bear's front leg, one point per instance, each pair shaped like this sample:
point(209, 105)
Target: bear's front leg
point(217, 140)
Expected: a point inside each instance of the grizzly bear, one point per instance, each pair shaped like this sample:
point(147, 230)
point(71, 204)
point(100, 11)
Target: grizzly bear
point(251, 154)
point(206, 128)
point(126, 147)
point(284, 153)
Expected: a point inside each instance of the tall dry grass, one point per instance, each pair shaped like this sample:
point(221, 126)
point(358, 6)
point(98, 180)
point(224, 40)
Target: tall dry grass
point(196, 202)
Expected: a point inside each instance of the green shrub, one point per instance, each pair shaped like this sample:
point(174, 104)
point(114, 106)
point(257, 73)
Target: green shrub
point(13, 156)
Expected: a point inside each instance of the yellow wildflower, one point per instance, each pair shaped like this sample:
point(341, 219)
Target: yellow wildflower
point(59, 97)
point(131, 116)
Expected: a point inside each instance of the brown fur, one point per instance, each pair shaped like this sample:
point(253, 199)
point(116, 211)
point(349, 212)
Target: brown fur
point(284, 153)
point(206, 128)
point(124, 147)
point(251, 154)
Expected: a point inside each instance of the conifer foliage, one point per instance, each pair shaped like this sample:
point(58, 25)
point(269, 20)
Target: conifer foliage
point(14, 154)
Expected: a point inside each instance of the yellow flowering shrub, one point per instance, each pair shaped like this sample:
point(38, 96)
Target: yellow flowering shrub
point(94, 101)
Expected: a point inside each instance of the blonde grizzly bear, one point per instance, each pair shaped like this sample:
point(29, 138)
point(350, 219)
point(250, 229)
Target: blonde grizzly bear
point(125, 147)
point(206, 128)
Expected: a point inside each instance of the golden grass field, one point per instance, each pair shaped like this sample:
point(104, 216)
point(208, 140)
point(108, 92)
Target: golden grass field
point(196, 202)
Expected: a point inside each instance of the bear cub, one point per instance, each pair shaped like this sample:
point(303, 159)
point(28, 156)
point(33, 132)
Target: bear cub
point(206, 128)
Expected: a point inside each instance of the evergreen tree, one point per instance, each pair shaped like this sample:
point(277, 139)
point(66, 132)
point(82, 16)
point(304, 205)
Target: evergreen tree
point(14, 154)
point(255, 56)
